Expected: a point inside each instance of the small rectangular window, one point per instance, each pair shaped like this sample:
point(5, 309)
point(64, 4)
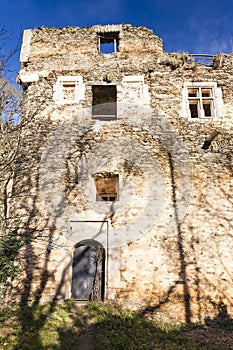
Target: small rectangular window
point(108, 42)
point(104, 98)
point(200, 102)
point(107, 187)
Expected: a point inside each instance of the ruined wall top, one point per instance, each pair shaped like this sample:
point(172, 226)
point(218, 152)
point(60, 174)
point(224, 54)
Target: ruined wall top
point(45, 42)
point(55, 61)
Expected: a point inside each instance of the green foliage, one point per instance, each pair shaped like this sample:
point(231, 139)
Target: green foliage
point(9, 246)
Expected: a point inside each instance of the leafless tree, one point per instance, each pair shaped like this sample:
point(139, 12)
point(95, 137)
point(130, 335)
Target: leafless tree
point(10, 106)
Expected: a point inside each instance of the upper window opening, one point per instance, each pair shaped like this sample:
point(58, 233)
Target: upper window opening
point(201, 102)
point(108, 42)
point(104, 98)
point(107, 187)
point(206, 92)
point(192, 92)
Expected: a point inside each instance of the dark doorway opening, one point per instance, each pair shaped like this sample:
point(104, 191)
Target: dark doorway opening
point(88, 275)
point(104, 102)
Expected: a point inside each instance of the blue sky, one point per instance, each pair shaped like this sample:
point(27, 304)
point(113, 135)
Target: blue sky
point(194, 26)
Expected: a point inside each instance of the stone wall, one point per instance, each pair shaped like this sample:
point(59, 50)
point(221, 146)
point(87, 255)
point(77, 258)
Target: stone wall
point(168, 239)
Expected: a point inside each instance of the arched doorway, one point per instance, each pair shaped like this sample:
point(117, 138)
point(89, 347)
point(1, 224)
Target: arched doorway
point(88, 273)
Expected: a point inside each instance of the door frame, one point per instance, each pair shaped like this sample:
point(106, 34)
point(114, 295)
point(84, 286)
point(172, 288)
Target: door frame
point(95, 244)
point(105, 246)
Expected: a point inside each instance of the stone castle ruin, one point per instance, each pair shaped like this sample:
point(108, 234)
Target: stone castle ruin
point(124, 180)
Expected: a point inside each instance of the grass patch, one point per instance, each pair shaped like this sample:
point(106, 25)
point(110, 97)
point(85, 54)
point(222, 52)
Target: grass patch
point(40, 327)
point(58, 327)
point(127, 330)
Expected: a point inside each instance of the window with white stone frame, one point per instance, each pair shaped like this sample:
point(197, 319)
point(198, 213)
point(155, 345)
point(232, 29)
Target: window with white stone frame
point(202, 100)
point(134, 90)
point(69, 89)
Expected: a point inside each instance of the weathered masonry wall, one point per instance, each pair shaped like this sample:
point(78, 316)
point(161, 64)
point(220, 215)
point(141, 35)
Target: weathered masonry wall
point(167, 234)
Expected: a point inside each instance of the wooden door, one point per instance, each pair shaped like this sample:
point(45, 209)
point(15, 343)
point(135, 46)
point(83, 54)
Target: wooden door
point(88, 273)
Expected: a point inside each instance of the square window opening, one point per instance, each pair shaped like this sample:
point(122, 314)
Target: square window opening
point(206, 92)
point(107, 187)
point(108, 42)
point(193, 92)
point(104, 102)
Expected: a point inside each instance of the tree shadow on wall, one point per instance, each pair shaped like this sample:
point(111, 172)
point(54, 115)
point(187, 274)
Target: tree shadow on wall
point(33, 260)
point(180, 246)
point(198, 305)
point(33, 321)
point(222, 318)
